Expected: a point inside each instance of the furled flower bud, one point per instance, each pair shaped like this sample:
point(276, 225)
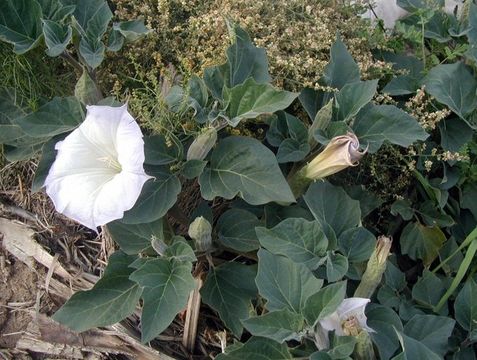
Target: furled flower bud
point(341, 152)
point(200, 231)
point(375, 268)
point(201, 146)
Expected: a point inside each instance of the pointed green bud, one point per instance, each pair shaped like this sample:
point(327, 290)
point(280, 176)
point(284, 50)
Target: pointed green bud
point(201, 146)
point(375, 268)
point(363, 349)
point(200, 231)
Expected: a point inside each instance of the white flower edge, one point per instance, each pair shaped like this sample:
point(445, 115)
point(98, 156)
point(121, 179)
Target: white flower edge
point(98, 172)
point(351, 307)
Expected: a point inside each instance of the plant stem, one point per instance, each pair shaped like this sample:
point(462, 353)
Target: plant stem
point(72, 61)
point(464, 266)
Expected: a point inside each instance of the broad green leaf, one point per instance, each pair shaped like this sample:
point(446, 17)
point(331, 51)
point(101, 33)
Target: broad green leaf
point(357, 244)
point(48, 155)
point(135, 238)
point(243, 166)
point(92, 51)
point(131, 30)
point(92, 17)
point(428, 289)
point(20, 24)
point(330, 204)
point(298, 239)
point(229, 289)
point(158, 195)
point(86, 90)
point(324, 302)
point(285, 284)
point(413, 5)
point(57, 37)
point(414, 349)
point(383, 321)
point(113, 298)
point(342, 346)
point(403, 208)
point(320, 355)
point(353, 97)
point(408, 83)
point(312, 101)
point(368, 201)
point(455, 133)
point(467, 200)
point(58, 116)
point(465, 306)
point(280, 325)
point(258, 348)
point(180, 250)
point(10, 110)
point(422, 242)
point(214, 79)
point(167, 284)
point(274, 213)
point(22, 152)
point(455, 86)
point(321, 122)
point(432, 331)
point(55, 10)
point(472, 34)
point(251, 99)
point(294, 144)
point(341, 69)
point(193, 168)
point(393, 276)
point(115, 40)
point(236, 230)
point(336, 266)
point(157, 152)
point(378, 123)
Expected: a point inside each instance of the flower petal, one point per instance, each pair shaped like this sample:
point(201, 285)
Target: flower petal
point(332, 322)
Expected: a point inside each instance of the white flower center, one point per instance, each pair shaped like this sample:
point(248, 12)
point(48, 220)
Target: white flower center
point(112, 163)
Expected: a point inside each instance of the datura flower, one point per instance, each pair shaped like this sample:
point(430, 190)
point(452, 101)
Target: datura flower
point(340, 153)
point(349, 319)
point(98, 172)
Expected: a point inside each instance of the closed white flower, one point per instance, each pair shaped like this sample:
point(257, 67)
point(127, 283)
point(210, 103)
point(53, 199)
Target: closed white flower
point(348, 319)
point(98, 172)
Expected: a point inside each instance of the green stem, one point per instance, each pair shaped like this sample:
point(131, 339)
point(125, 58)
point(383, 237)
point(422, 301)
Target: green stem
point(299, 183)
point(464, 266)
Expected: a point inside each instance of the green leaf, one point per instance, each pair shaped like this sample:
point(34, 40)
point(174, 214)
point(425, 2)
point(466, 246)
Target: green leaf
point(236, 230)
point(48, 156)
point(193, 168)
point(55, 10)
point(92, 51)
point(357, 244)
point(20, 24)
point(455, 86)
point(422, 242)
point(353, 97)
point(300, 240)
point(341, 69)
point(229, 289)
point(432, 331)
point(383, 321)
point(92, 17)
point(258, 348)
point(157, 151)
point(455, 133)
point(180, 250)
point(465, 306)
point(57, 37)
point(132, 30)
point(324, 302)
point(342, 346)
point(135, 238)
point(86, 90)
point(312, 101)
point(336, 266)
point(321, 121)
point(113, 298)
point(243, 166)
point(332, 205)
point(22, 152)
point(320, 355)
point(403, 208)
point(379, 123)
point(290, 135)
point(428, 289)
point(404, 84)
point(414, 349)
point(280, 325)
point(10, 110)
point(167, 284)
point(158, 195)
point(285, 284)
point(58, 116)
point(115, 40)
point(251, 99)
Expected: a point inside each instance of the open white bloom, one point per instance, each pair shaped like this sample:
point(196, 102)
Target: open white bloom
point(348, 319)
point(98, 172)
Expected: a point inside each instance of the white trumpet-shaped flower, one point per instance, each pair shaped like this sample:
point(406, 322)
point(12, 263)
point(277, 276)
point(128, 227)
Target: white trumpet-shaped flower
point(98, 172)
point(348, 319)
